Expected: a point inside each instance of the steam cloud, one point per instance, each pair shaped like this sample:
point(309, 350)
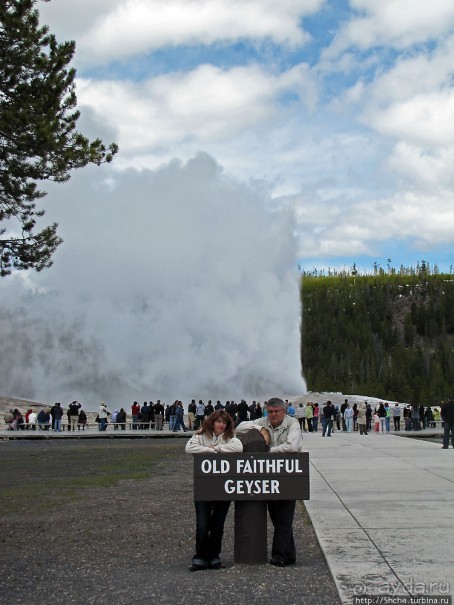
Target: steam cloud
point(173, 283)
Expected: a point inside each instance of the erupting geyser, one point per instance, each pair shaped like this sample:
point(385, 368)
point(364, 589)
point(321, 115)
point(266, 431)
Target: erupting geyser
point(172, 283)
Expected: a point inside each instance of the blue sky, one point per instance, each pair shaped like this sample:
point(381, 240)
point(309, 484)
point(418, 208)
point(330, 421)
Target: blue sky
point(255, 136)
point(342, 110)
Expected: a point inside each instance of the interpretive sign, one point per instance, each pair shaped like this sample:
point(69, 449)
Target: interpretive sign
point(251, 476)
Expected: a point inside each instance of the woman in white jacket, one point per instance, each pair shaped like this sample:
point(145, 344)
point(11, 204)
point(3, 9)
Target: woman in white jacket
point(215, 436)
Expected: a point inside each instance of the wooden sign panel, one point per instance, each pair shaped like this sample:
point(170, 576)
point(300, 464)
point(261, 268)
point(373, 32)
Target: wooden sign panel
point(251, 476)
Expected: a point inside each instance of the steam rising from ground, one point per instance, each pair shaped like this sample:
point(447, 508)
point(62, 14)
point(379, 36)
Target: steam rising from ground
point(176, 283)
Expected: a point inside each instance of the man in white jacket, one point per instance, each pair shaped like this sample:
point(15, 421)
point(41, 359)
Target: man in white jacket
point(282, 433)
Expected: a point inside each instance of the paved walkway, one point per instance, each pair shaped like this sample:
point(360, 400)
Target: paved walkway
point(383, 509)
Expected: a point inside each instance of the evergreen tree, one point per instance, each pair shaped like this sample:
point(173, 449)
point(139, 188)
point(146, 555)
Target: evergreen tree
point(386, 336)
point(38, 137)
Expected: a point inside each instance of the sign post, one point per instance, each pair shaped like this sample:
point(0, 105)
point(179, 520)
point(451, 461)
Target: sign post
point(251, 517)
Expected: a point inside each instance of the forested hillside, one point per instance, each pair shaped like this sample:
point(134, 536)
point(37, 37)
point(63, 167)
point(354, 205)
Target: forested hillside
point(390, 335)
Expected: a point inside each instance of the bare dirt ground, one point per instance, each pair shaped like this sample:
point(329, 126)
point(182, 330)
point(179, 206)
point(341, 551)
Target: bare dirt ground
point(112, 522)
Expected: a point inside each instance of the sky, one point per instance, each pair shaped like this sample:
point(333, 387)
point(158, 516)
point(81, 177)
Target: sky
point(342, 110)
point(255, 137)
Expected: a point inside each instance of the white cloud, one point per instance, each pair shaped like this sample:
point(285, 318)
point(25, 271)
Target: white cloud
point(426, 119)
point(204, 105)
point(132, 27)
point(412, 215)
point(360, 227)
point(70, 20)
point(395, 23)
point(411, 107)
point(413, 100)
point(426, 169)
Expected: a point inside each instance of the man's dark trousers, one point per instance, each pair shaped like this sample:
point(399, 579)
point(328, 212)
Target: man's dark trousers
point(281, 513)
point(448, 428)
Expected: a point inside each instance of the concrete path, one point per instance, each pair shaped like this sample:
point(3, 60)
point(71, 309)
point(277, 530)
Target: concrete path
point(383, 509)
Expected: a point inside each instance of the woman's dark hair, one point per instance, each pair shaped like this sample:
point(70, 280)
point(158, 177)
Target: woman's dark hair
point(208, 423)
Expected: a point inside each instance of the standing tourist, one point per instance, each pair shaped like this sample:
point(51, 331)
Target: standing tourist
point(159, 415)
point(336, 418)
point(73, 415)
point(348, 418)
point(152, 407)
point(342, 410)
point(407, 418)
point(309, 416)
point(113, 419)
point(230, 408)
point(376, 420)
point(145, 410)
point(103, 415)
point(355, 416)
point(282, 433)
point(258, 410)
point(315, 418)
point(414, 413)
point(429, 418)
point(216, 436)
point(242, 412)
point(447, 414)
point(135, 411)
point(300, 414)
point(422, 416)
point(361, 418)
point(191, 414)
point(172, 410)
point(327, 419)
point(290, 408)
point(381, 413)
point(388, 417)
point(57, 414)
point(200, 413)
point(179, 417)
point(368, 417)
point(396, 416)
point(209, 409)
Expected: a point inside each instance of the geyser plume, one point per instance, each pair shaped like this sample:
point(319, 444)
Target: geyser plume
point(173, 283)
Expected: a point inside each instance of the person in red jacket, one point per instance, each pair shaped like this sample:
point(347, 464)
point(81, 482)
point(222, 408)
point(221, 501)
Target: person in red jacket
point(135, 411)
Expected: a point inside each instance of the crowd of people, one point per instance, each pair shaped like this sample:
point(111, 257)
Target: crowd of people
point(156, 416)
point(50, 418)
point(312, 417)
point(365, 418)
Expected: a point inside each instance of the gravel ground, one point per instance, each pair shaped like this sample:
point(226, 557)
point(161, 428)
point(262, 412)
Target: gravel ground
point(112, 522)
